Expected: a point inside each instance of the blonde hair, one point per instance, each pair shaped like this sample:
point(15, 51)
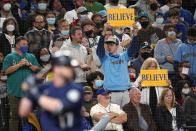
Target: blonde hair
point(147, 63)
point(163, 94)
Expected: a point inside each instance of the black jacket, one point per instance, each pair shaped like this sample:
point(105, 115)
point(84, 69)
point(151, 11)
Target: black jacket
point(190, 109)
point(164, 118)
point(5, 46)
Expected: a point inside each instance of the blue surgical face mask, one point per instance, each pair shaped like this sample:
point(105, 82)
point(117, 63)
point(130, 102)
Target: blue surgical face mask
point(171, 33)
point(99, 83)
point(42, 6)
point(24, 49)
point(65, 32)
point(51, 21)
point(83, 17)
point(159, 21)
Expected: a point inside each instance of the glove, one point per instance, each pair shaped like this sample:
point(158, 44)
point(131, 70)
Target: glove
point(33, 91)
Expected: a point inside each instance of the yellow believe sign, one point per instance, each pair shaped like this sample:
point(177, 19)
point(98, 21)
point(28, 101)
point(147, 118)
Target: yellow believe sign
point(154, 77)
point(120, 17)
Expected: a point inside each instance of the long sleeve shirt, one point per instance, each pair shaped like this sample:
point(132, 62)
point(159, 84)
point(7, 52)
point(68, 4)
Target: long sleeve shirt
point(162, 50)
point(116, 77)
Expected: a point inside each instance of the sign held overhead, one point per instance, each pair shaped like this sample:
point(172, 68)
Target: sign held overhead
point(121, 17)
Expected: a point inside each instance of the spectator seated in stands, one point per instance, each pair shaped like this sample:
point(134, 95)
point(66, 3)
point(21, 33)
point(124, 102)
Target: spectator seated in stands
point(159, 20)
point(145, 52)
point(38, 37)
point(89, 102)
point(190, 107)
point(148, 32)
point(40, 10)
point(182, 90)
point(182, 73)
point(186, 51)
point(166, 48)
point(169, 115)
point(150, 94)
point(185, 15)
point(181, 29)
point(104, 107)
point(51, 22)
point(139, 116)
point(8, 36)
point(94, 80)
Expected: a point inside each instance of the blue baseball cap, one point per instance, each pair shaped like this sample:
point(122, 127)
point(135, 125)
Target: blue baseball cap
point(102, 91)
point(157, 14)
point(103, 13)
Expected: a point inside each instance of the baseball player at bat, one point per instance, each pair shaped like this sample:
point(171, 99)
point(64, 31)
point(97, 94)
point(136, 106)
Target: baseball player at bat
point(60, 99)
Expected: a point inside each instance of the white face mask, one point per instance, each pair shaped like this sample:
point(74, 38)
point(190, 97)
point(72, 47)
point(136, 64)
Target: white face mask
point(185, 71)
point(10, 28)
point(45, 58)
point(191, 43)
point(186, 90)
point(7, 7)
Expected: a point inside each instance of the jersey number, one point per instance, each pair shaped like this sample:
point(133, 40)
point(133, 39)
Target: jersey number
point(66, 120)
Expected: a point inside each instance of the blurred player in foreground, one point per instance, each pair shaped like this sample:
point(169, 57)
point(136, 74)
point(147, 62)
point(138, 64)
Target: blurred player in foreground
point(61, 99)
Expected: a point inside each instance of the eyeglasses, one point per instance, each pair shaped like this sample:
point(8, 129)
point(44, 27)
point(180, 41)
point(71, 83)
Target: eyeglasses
point(41, 22)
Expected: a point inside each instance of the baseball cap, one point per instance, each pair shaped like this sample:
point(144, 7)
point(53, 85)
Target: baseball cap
point(102, 91)
point(112, 39)
point(103, 13)
point(145, 45)
point(174, 6)
point(87, 89)
point(157, 14)
point(57, 37)
point(143, 14)
point(81, 10)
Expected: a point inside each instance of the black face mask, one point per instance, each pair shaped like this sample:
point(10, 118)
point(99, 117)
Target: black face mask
point(99, 32)
point(89, 33)
point(115, 1)
point(154, 6)
point(145, 55)
point(144, 24)
point(99, 25)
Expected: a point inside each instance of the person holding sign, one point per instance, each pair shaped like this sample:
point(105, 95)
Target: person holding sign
point(116, 76)
point(150, 94)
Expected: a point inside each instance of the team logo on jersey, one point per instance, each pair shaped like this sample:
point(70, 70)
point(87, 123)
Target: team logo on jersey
point(73, 95)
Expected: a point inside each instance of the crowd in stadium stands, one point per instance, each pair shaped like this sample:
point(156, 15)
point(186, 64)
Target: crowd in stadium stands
point(110, 59)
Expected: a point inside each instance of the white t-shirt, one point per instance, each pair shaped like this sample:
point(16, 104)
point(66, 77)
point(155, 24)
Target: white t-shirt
point(98, 108)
